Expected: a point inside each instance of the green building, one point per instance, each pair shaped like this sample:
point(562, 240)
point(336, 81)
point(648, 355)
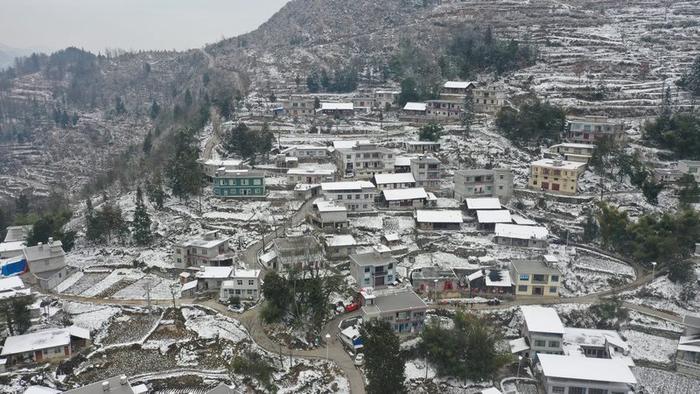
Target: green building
point(239, 184)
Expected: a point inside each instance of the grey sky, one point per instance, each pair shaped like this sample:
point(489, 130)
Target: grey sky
point(128, 24)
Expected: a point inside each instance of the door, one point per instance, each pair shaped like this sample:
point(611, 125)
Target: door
point(539, 291)
point(379, 281)
point(38, 356)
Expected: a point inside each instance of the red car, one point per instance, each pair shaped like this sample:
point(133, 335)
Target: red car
point(352, 307)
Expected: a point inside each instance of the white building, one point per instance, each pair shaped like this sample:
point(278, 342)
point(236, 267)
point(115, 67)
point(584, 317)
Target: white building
point(421, 147)
point(497, 182)
point(575, 374)
point(690, 167)
point(357, 196)
point(47, 262)
point(212, 166)
point(363, 159)
point(543, 330)
point(211, 249)
point(329, 215)
point(688, 351)
point(406, 198)
point(480, 204)
point(340, 246)
point(244, 284)
point(439, 219)
point(306, 152)
point(520, 235)
point(394, 181)
point(210, 279)
point(427, 172)
point(309, 176)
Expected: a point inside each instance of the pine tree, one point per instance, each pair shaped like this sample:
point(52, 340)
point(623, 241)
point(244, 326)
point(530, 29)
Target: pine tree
point(155, 192)
point(385, 367)
point(155, 109)
point(184, 173)
point(188, 98)
point(148, 143)
point(142, 222)
point(468, 114)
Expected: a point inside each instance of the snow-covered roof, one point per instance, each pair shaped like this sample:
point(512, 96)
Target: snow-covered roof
point(79, 332)
point(304, 147)
point(342, 144)
point(421, 143)
point(559, 164)
point(420, 107)
point(415, 193)
point(521, 232)
point(341, 240)
point(402, 177)
point(189, 286)
point(245, 274)
point(337, 106)
point(17, 233)
point(585, 368)
point(689, 344)
point(541, 319)
point(483, 203)
point(458, 84)
point(503, 282)
point(215, 272)
point(13, 246)
point(491, 390)
point(329, 206)
point(343, 186)
point(439, 216)
point(475, 275)
point(223, 163)
point(518, 345)
point(522, 220)
point(11, 283)
point(40, 390)
point(399, 301)
point(115, 385)
point(392, 237)
point(494, 216)
point(403, 161)
point(593, 337)
point(309, 171)
point(45, 251)
point(36, 341)
point(573, 145)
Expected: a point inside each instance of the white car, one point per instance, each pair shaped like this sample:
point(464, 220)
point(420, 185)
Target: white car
point(359, 359)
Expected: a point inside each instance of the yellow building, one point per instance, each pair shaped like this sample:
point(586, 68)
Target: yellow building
point(536, 278)
point(555, 176)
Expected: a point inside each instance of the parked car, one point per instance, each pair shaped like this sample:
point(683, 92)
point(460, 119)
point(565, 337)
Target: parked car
point(494, 301)
point(359, 359)
point(352, 307)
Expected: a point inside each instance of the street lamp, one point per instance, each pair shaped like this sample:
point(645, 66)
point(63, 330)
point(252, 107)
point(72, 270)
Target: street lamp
point(328, 339)
point(520, 359)
point(653, 270)
point(435, 282)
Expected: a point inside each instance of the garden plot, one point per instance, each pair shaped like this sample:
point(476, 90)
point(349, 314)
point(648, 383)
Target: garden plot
point(90, 316)
point(650, 348)
point(586, 272)
point(665, 295)
point(130, 327)
point(210, 326)
point(656, 381)
point(160, 289)
point(85, 282)
point(646, 323)
point(113, 280)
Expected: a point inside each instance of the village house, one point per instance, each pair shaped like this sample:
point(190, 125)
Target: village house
point(570, 152)
point(239, 184)
point(363, 103)
point(51, 345)
point(690, 167)
point(394, 181)
point(426, 171)
point(357, 196)
point(339, 246)
point(306, 152)
point(281, 161)
point(373, 269)
point(667, 175)
point(688, 351)
point(392, 241)
point(414, 111)
point(340, 110)
point(329, 215)
point(491, 282)
point(575, 374)
point(488, 218)
point(436, 281)
point(114, 385)
point(489, 98)
point(439, 220)
point(306, 191)
point(457, 90)
point(402, 309)
point(589, 129)
point(15, 241)
point(421, 147)
point(497, 182)
point(542, 330)
point(211, 249)
point(364, 160)
point(297, 105)
point(555, 176)
point(13, 286)
point(244, 284)
point(309, 176)
point(407, 198)
point(212, 166)
point(444, 109)
point(526, 236)
point(595, 343)
point(536, 277)
point(297, 252)
point(481, 204)
point(210, 279)
point(47, 263)
point(385, 98)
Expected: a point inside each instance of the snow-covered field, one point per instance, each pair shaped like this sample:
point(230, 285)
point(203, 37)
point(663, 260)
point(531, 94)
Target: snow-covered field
point(656, 381)
point(652, 348)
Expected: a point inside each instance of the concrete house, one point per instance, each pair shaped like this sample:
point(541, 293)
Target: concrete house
point(536, 278)
point(329, 215)
point(15, 241)
point(589, 129)
point(244, 284)
point(338, 109)
point(421, 147)
point(52, 345)
point(364, 159)
point(340, 246)
point(556, 176)
point(435, 280)
point(490, 282)
point(402, 309)
point(47, 263)
point(569, 151)
point(299, 105)
point(497, 182)
point(309, 176)
point(688, 351)
point(594, 343)
point(211, 249)
point(297, 252)
point(439, 220)
point(384, 98)
point(414, 111)
point(481, 204)
point(543, 330)
point(426, 171)
point(212, 166)
point(239, 184)
point(406, 198)
point(394, 181)
point(444, 109)
point(356, 196)
point(521, 235)
point(306, 152)
point(373, 269)
point(489, 98)
point(690, 167)
point(574, 374)
point(488, 219)
point(210, 279)
point(114, 385)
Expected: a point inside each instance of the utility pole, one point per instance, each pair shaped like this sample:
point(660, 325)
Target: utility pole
point(148, 294)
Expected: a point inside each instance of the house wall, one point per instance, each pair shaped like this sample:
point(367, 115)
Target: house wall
point(558, 386)
point(588, 132)
point(426, 172)
point(186, 256)
point(544, 343)
point(490, 183)
point(525, 243)
point(364, 162)
point(365, 276)
point(48, 264)
point(688, 363)
point(354, 200)
point(526, 287)
point(339, 252)
point(554, 179)
point(244, 186)
point(245, 288)
point(210, 284)
point(690, 167)
point(408, 321)
point(293, 179)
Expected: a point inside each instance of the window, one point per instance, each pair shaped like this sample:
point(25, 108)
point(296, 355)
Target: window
point(553, 289)
point(249, 292)
point(366, 269)
point(522, 288)
point(251, 282)
point(239, 282)
point(558, 390)
point(349, 197)
point(391, 265)
point(540, 343)
point(554, 278)
point(524, 277)
point(257, 182)
point(238, 291)
point(554, 344)
point(577, 390)
point(244, 182)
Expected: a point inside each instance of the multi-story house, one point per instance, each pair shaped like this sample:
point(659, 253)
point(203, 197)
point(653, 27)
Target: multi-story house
point(306, 152)
point(373, 269)
point(340, 246)
point(556, 176)
point(394, 181)
point(522, 235)
point(239, 184)
point(536, 277)
point(407, 198)
point(690, 167)
point(542, 329)
point(421, 147)
point(457, 90)
point(364, 103)
point(688, 351)
point(297, 105)
point(47, 263)
point(435, 280)
point(338, 109)
point(489, 98)
point(385, 98)
point(210, 279)
point(589, 129)
point(357, 196)
point(364, 160)
point(576, 374)
point(309, 176)
point(497, 182)
point(329, 215)
point(570, 151)
point(211, 249)
point(212, 166)
point(297, 252)
point(244, 284)
point(426, 171)
point(414, 111)
point(402, 309)
point(444, 109)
